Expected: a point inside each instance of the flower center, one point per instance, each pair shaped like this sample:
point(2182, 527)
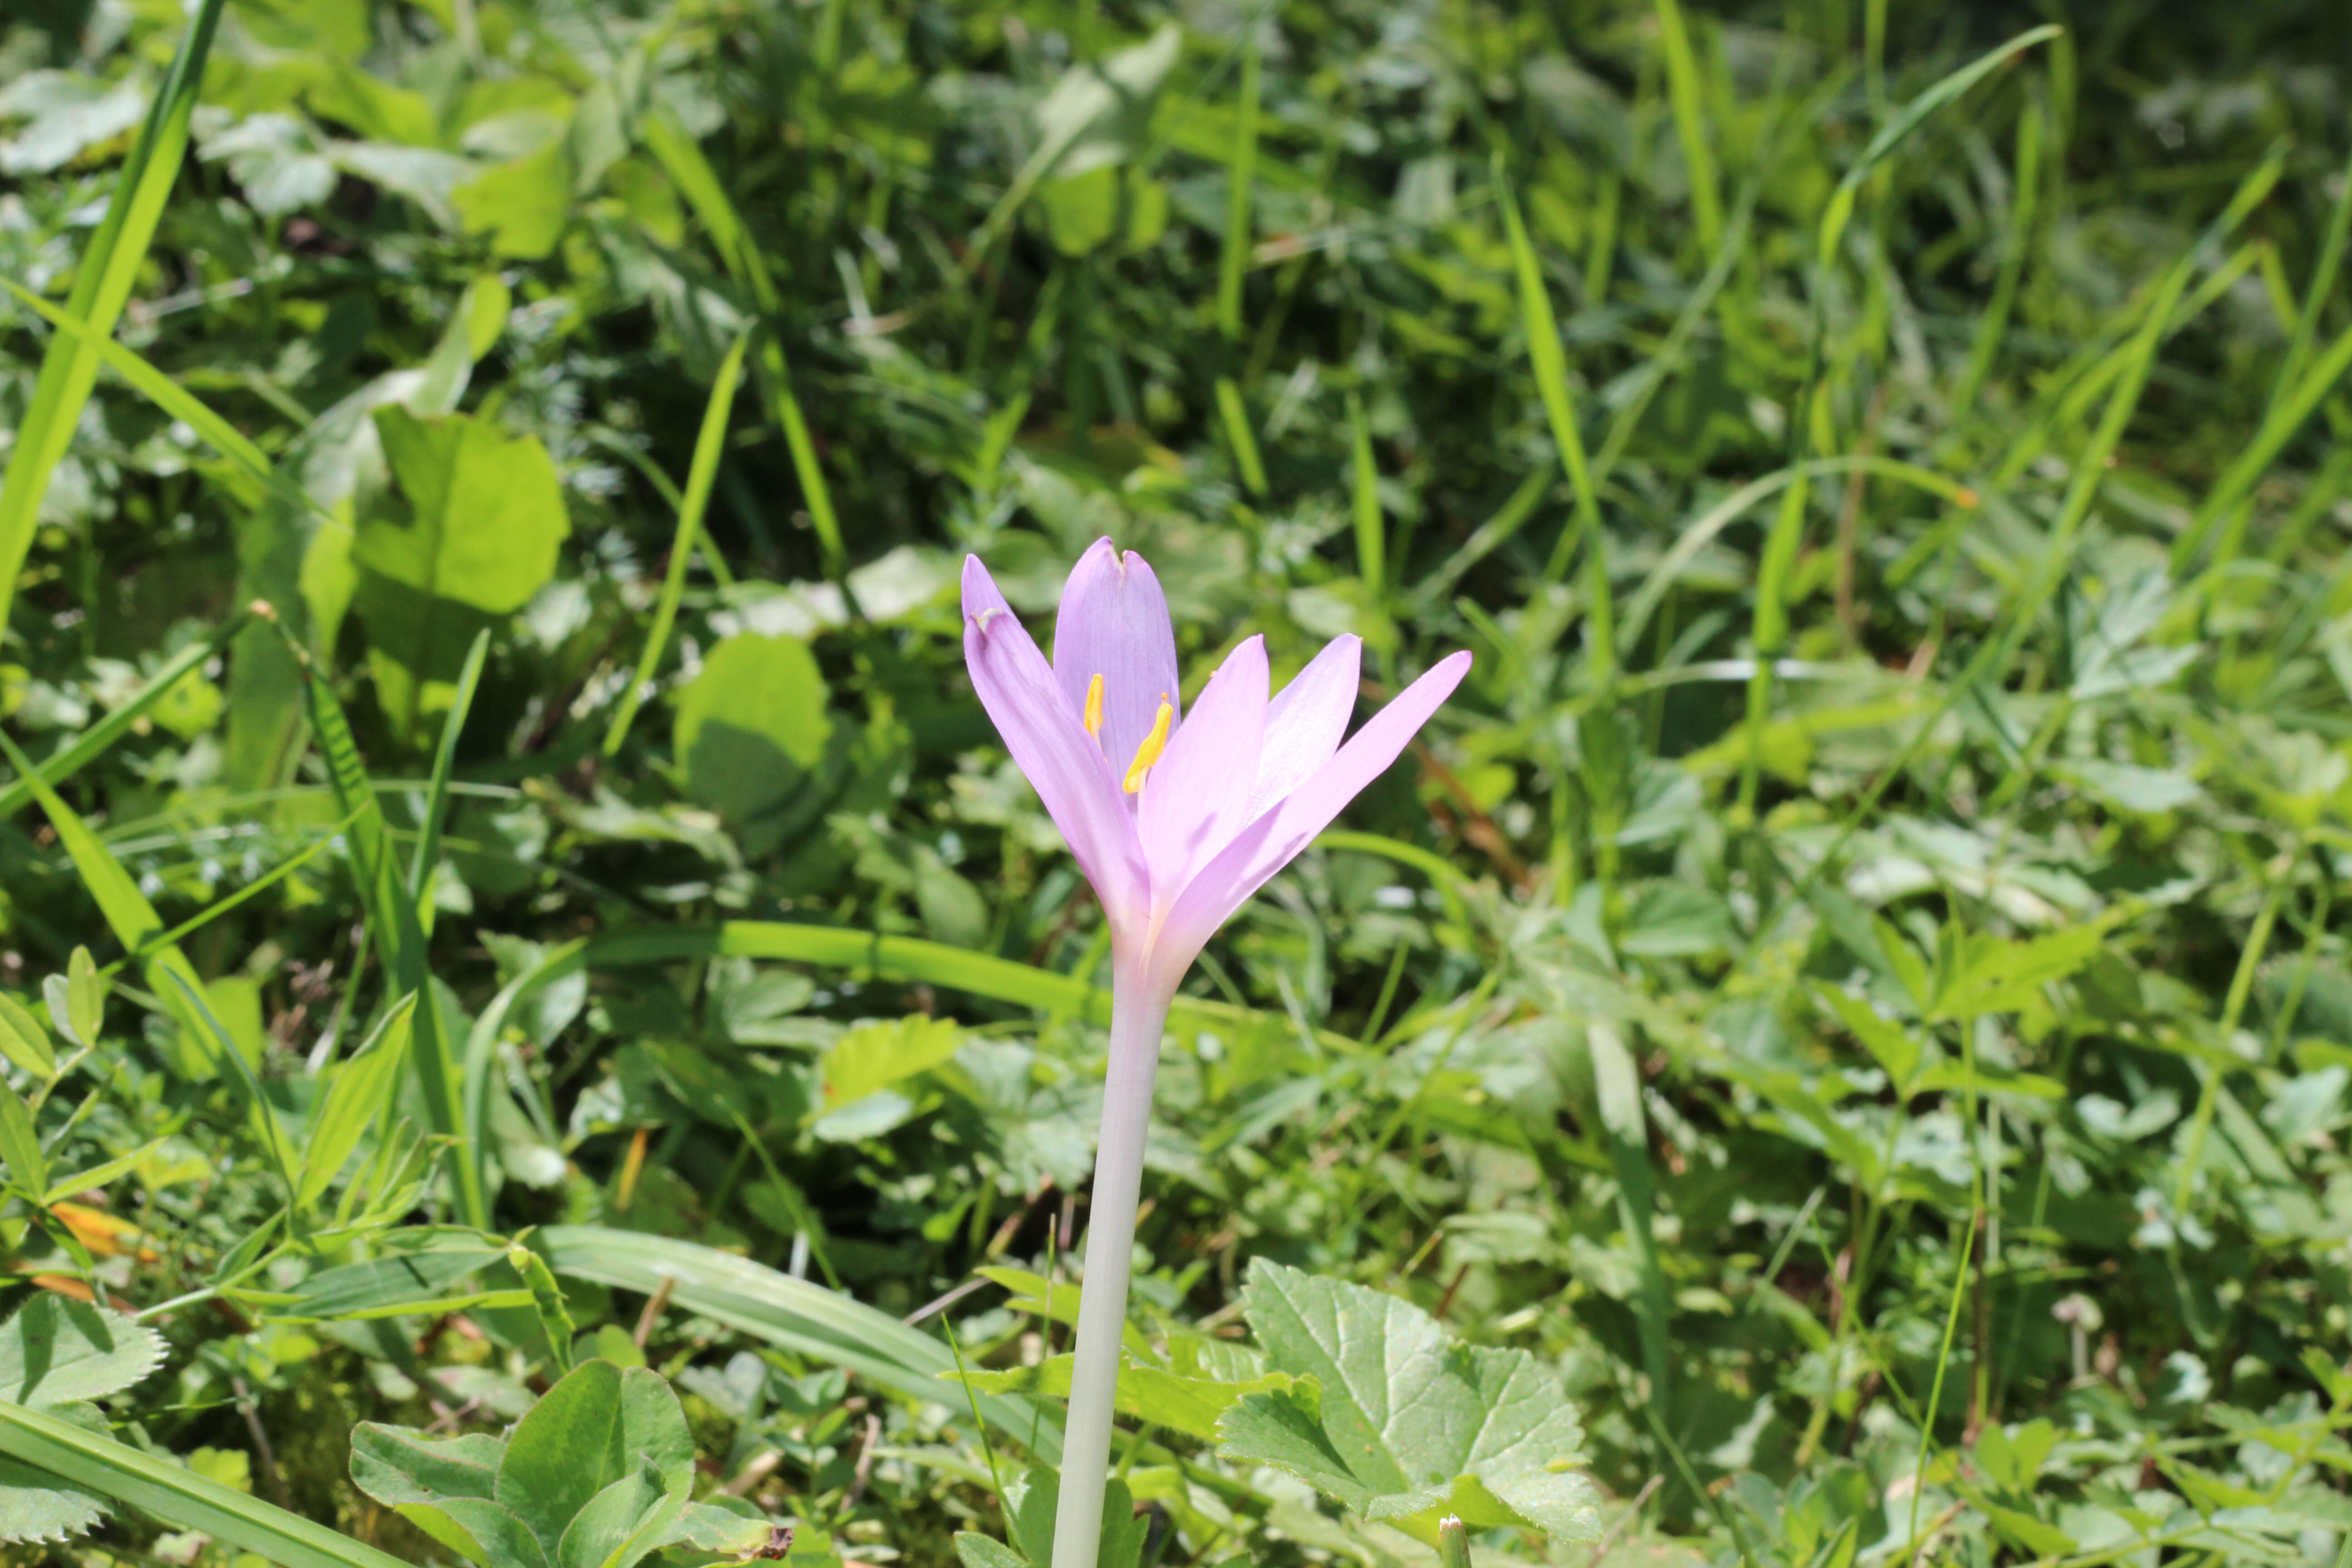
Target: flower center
point(1094, 707)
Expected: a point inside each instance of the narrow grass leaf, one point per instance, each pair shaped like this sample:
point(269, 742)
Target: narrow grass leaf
point(793, 1313)
point(102, 285)
point(1914, 114)
point(681, 159)
point(700, 475)
point(444, 761)
point(359, 1097)
point(93, 743)
point(180, 1496)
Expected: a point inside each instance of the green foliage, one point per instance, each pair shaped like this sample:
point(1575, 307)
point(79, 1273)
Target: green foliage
point(58, 1356)
point(503, 870)
point(1400, 1421)
point(596, 1476)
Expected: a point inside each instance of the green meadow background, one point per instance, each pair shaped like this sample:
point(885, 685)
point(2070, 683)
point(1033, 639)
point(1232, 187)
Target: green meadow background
point(1852, 982)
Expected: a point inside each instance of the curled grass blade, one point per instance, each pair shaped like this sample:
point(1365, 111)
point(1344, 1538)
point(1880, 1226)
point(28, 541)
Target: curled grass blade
point(1914, 114)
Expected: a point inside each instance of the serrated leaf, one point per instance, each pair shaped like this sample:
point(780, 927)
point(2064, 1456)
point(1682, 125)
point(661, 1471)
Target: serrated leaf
point(25, 1042)
point(37, 1506)
point(56, 1352)
point(85, 995)
point(1410, 1420)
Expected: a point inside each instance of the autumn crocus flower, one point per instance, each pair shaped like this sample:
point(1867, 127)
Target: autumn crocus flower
point(1177, 819)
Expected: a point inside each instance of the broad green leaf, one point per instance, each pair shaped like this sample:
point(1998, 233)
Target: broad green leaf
point(24, 1042)
point(623, 1522)
point(593, 1428)
point(360, 1095)
point(1108, 203)
point(20, 1145)
point(85, 995)
point(1411, 1422)
point(469, 533)
point(522, 204)
point(2012, 1460)
point(875, 1057)
point(976, 1551)
point(57, 1351)
point(750, 734)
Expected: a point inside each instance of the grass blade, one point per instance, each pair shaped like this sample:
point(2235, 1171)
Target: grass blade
point(2238, 480)
point(795, 1313)
point(445, 758)
point(1914, 114)
point(93, 743)
point(355, 1101)
point(177, 1495)
point(101, 288)
point(128, 913)
point(699, 478)
point(260, 885)
point(1233, 265)
point(392, 913)
point(681, 159)
point(1364, 500)
point(1690, 124)
point(2025, 187)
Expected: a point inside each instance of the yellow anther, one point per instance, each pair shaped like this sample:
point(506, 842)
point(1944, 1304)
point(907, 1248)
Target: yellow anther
point(1094, 708)
point(1153, 744)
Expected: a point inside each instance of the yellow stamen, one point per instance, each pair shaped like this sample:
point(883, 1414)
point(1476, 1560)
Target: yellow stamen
point(1153, 744)
point(1094, 708)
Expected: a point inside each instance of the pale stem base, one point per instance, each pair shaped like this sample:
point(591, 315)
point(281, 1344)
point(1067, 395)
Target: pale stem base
point(1139, 1015)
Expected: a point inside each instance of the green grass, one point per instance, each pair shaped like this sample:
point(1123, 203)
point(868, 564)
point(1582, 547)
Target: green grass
point(1850, 983)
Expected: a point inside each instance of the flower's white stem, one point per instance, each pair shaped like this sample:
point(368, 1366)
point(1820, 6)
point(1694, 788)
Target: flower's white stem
point(1139, 1015)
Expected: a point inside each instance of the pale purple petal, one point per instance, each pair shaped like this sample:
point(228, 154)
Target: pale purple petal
point(1113, 623)
point(1199, 794)
point(1305, 721)
point(1049, 744)
point(1274, 839)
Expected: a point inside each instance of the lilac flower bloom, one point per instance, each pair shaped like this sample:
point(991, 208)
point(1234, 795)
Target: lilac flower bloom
point(1177, 819)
